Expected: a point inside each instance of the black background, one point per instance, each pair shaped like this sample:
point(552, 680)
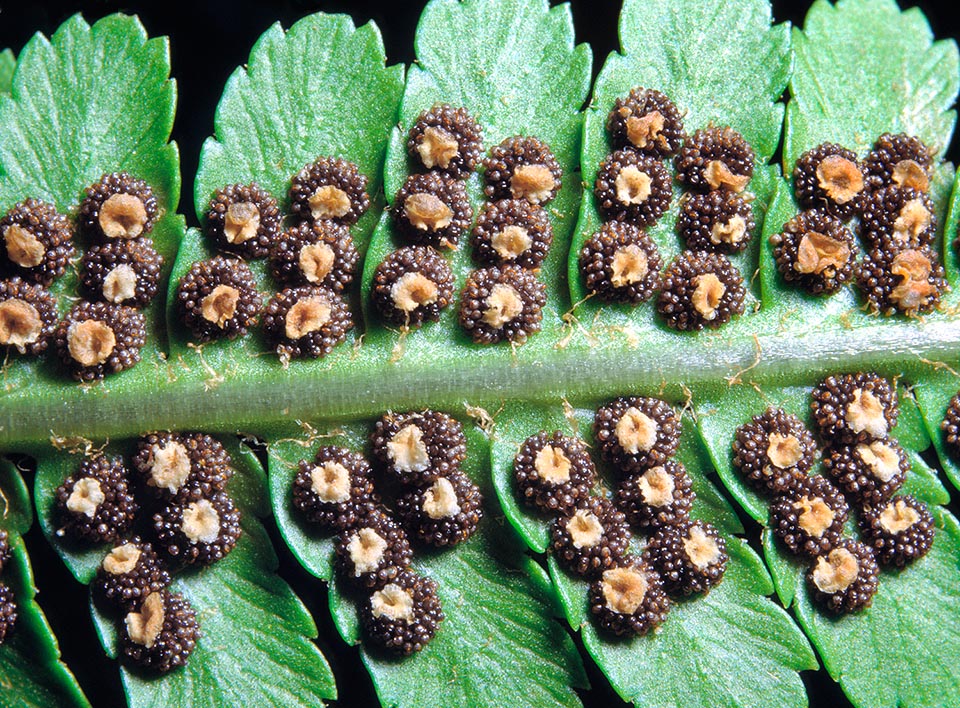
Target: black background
point(208, 40)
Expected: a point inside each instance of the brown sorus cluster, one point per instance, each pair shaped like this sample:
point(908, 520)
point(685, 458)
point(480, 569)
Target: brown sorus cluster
point(411, 286)
point(169, 465)
point(162, 634)
point(845, 579)
point(590, 537)
point(196, 528)
point(809, 517)
point(336, 490)
point(660, 496)
point(95, 339)
point(443, 513)
point(319, 253)
point(447, 140)
point(899, 530)
point(868, 472)
point(122, 271)
point(306, 322)
point(218, 298)
point(96, 503)
point(690, 557)
point(894, 218)
point(648, 121)
point(372, 552)
point(402, 616)
point(620, 263)
point(633, 187)
point(5, 551)
point(816, 251)
point(37, 242)
point(432, 210)
point(774, 451)
point(243, 219)
point(831, 179)
point(636, 433)
point(553, 472)
point(628, 599)
point(700, 289)
point(715, 158)
point(418, 447)
point(128, 574)
point(951, 426)
point(512, 232)
point(855, 408)
point(502, 304)
point(901, 160)
point(329, 188)
point(522, 168)
point(28, 316)
point(8, 613)
point(118, 206)
point(910, 280)
point(719, 221)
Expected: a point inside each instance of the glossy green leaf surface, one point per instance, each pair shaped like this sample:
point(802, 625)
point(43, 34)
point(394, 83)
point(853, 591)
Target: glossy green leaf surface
point(31, 673)
point(256, 633)
point(499, 644)
point(734, 647)
point(901, 650)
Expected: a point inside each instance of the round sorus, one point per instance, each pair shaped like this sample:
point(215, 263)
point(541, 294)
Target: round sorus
point(96, 338)
point(522, 168)
point(951, 426)
point(900, 160)
point(633, 187)
point(648, 121)
point(910, 281)
point(28, 316)
point(373, 552)
point(329, 189)
point(334, 491)
point(418, 447)
point(118, 206)
point(719, 221)
point(900, 531)
point(869, 472)
point(512, 232)
point(122, 271)
point(243, 219)
point(446, 139)
point(830, 178)
point(444, 512)
point(306, 322)
point(128, 574)
point(590, 537)
point(36, 242)
point(95, 504)
point(320, 254)
point(182, 464)
point(855, 408)
point(412, 285)
point(197, 529)
point(661, 496)
point(815, 251)
point(4, 549)
point(774, 451)
point(8, 612)
point(218, 298)
point(895, 218)
point(628, 599)
point(620, 263)
point(404, 615)
point(432, 210)
point(844, 579)
point(635, 433)
point(502, 304)
point(809, 518)
point(553, 472)
point(690, 558)
point(161, 634)
point(700, 290)
point(715, 158)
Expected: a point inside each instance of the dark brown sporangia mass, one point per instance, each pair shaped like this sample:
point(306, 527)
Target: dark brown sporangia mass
point(715, 158)
point(620, 263)
point(306, 322)
point(522, 168)
point(700, 289)
point(319, 253)
point(815, 251)
point(37, 242)
point(553, 472)
point(118, 206)
point(122, 272)
point(502, 304)
point(243, 219)
point(774, 451)
point(329, 188)
point(512, 232)
point(648, 121)
point(633, 188)
point(719, 221)
point(431, 209)
point(447, 140)
point(96, 339)
point(831, 179)
point(218, 298)
point(28, 317)
point(411, 286)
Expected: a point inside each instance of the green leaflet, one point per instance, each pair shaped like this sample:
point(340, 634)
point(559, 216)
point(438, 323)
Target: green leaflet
point(750, 645)
point(8, 62)
point(863, 68)
point(266, 132)
point(697, 73)
point(31, 673)
point(256, 633)
point(89, 101)
point(901, 650)
point(530, 81)
point(499, 644)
